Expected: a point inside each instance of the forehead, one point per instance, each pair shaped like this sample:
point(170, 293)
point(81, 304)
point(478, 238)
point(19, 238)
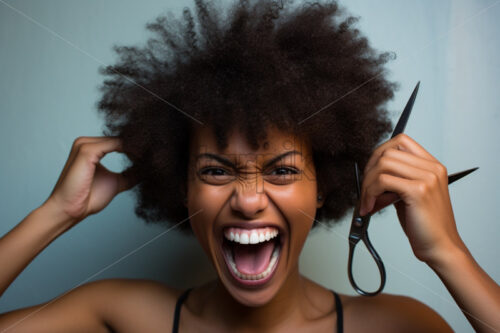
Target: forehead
point(203, 140)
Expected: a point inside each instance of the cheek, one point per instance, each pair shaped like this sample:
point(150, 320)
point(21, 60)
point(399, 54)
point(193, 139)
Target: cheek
point(298, 202)
point(207, 200)
point(298, 205)
point(204, 205)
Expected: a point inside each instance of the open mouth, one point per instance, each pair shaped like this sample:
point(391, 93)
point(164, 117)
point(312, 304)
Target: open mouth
point(251, 255)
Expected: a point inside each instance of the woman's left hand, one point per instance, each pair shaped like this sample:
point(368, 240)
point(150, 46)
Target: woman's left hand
point(405, 169)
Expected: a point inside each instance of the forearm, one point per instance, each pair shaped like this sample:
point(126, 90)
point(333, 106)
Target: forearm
point(477, 295)
point(27, 239)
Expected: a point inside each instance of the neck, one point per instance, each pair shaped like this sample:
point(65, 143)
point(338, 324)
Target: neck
point(281, 308)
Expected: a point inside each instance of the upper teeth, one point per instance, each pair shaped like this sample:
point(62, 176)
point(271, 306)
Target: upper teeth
point(253, 236)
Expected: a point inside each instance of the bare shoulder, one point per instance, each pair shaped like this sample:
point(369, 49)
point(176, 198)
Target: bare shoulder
point(133, 305)
point(108, 305)
point(391, 313)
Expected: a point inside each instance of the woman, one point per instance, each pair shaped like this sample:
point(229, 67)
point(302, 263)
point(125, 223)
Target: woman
point(233, 118)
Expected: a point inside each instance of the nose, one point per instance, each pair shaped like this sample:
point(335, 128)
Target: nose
point(249, 198)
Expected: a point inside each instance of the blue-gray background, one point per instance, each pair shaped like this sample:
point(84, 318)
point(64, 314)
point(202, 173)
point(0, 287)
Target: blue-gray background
point(49, 55)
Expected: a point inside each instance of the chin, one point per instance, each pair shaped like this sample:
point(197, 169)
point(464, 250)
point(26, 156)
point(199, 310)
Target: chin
point(254, 298)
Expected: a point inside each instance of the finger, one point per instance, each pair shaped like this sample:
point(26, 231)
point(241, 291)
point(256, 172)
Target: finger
point(399, 142)
point(388, 163)
point(395, 167)
point(95, 151)
point(127, 179)
point(91, 153)
point(72, 154)
point(74, 149)
point(416, 161)
point(389, 166)
point(76, 146)
point(384, 200)
point(402, 187)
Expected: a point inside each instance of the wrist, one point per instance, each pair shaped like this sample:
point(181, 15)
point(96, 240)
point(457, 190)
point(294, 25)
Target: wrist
point(51, 212)
point(450, 256)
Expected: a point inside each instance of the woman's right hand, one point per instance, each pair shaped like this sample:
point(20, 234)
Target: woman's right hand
point(85, 187)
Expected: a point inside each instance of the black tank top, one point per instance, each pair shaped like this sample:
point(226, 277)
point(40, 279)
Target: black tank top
point(184, 295)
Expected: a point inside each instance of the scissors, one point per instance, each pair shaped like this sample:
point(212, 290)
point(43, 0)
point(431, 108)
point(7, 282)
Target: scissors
point(359, 224)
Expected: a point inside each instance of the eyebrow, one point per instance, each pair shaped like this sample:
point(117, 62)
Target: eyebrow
point(228, 163)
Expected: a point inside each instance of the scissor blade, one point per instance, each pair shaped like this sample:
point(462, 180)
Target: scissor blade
point(403, 119)
point(456, 176)
point(358, 186)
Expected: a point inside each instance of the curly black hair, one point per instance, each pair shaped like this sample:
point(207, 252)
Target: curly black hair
point(305, 69)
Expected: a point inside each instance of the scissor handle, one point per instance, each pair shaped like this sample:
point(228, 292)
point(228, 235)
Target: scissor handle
point(378, 261)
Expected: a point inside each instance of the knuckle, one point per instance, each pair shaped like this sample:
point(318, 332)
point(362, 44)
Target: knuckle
point(383, 179)
point(79, 141)
point(402, 138)
point(390, 152)
point(85, 149)
point(441, 170)
point(421, 189)
point(432, 179)
point(384, 162)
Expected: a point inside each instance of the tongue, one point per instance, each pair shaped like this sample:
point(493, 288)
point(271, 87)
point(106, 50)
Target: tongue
point(252, 258)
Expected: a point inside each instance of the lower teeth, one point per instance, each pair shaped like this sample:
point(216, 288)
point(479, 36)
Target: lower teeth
point(264, 274)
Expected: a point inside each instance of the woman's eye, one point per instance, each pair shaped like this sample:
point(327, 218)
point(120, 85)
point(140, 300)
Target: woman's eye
point(283, 175)
point(215, 175)
point(285, 171)
point(219, 176)
point(212, 171)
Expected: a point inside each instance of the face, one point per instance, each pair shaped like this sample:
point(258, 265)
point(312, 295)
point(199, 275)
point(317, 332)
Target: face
point(255, 209)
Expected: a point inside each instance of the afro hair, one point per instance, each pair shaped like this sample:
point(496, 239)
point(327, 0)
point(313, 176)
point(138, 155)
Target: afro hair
point(305, 69)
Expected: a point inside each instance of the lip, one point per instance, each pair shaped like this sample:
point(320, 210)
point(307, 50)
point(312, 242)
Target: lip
point(252, 283)
point(251, 225)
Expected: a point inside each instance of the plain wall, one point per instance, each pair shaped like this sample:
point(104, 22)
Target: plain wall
point(50, 53)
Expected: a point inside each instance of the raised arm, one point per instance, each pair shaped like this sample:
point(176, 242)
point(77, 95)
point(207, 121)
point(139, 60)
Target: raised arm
point(27, 239)
point(403, 168)
point(83, 188)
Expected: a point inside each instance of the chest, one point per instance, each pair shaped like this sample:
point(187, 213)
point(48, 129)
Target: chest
point(190, 324)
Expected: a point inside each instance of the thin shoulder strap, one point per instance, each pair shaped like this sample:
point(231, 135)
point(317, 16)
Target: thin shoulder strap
point(177, 313)
point(340, 314)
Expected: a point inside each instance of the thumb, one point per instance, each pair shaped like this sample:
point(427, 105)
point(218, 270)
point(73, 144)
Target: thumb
point(384, 200)
point(127, 179)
